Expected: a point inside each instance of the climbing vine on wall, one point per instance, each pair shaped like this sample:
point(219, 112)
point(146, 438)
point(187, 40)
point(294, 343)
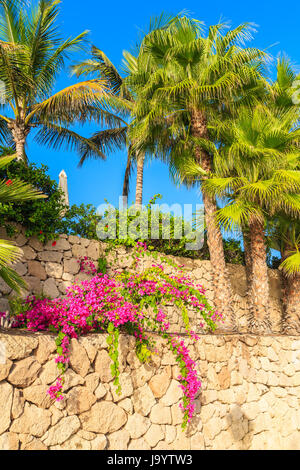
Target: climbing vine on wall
point(131, 302)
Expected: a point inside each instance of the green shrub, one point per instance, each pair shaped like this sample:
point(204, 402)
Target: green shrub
point(41, 217)
point(81, 221)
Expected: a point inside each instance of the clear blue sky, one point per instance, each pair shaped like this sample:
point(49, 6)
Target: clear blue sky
point(113, 28)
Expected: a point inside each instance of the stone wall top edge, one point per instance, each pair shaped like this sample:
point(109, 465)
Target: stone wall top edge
point(241, 336)
point(76, 239)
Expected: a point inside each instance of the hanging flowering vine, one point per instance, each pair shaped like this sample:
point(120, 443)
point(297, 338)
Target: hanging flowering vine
point(132, 303)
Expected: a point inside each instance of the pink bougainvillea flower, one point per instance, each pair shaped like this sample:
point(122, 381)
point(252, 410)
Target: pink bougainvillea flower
point(102, 302)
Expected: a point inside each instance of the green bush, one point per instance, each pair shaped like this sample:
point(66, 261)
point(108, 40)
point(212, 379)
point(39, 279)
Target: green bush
point(81, 221)
point(41, 217)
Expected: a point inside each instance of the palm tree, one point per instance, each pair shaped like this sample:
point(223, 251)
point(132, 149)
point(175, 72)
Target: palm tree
point(13, 191)
point(256, 177)
point(115, 137)
point(284, 236)
point(284, 232)
point(195, 78)
point(32, 55)
point(121, 102)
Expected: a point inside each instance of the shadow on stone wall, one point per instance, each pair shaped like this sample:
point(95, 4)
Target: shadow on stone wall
point(239, 427)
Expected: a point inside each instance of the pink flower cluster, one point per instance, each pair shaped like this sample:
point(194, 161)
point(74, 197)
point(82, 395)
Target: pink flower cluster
point(87, 266)
point(97, 303)
point(55, 391)
point(173, 288)
point(190, 383)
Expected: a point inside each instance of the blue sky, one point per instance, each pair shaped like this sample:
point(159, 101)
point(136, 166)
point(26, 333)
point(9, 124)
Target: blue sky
point(114, 27)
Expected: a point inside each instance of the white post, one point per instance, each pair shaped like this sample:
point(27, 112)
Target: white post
point(63, 185)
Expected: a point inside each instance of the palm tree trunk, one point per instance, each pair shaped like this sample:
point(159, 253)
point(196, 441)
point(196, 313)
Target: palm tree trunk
point(139, 179)
point(127, 176)
point(19, 133)
point(248, 257)
point(285, 289)
point(290, 299)
point(248, 269)
point(222, 286)
point(259, 281)
point(292, 311)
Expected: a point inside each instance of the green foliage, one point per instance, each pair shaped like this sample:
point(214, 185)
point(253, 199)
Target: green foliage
point(45, 218)
point(167, 242)
point(40, 217)
point(102, 265)
point(143, 352)
point(273, 261)
point(113, 345)
point(80, 220)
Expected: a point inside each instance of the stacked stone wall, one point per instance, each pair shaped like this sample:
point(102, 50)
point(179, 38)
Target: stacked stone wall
point(49, 269)
point(250, 393)
point(249, 399)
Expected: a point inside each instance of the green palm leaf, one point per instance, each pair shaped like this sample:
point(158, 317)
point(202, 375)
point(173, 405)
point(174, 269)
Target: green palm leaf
point(291, 265)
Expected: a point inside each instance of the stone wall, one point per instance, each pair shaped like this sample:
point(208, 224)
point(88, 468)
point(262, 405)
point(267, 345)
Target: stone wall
point(250, 385)
point(249, 400)
point(50, 268)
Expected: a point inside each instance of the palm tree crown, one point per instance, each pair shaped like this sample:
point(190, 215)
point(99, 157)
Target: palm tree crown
point(32, 55)
point(195, 78)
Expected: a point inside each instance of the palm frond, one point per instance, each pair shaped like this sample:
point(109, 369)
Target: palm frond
point(16, 190)
point(237, 214)
point(291, 265)
point(56, 137)
point(71, 100)
point(107, 70)
point(9, 253)
point(105, 141)
point(221, 187)
point(12, 279)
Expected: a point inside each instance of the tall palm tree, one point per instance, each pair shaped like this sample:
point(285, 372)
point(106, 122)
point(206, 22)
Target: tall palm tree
point(122, 101)
point(256, 177)
point(32, 55)
point(284, 236)
point(13, 191)
point(115, 136)
point(196, 77)
point(284, 232)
